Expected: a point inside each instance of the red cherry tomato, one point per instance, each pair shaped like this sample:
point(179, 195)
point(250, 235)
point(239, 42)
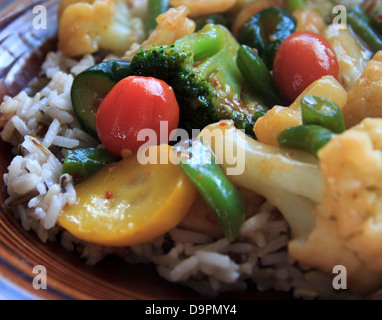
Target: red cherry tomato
point(135, 103)
point(301, 59)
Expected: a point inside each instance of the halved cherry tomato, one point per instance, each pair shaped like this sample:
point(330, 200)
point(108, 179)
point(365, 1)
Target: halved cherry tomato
point(303, 58)
point(128, 203)
point(134, 104)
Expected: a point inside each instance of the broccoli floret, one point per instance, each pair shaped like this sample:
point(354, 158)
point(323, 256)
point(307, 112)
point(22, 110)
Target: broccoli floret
point(203, 72)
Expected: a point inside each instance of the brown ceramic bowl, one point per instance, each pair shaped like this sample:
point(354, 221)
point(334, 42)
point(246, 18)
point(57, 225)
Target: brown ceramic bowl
point(22, 50)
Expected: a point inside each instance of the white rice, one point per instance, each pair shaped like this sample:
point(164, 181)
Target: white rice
point(42, 127)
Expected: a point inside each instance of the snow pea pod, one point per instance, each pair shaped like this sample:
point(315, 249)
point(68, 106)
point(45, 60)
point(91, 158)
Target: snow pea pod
point(258, 76)
point(225, 201)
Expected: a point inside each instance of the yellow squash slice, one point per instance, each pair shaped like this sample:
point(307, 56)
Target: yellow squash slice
point(128, 203)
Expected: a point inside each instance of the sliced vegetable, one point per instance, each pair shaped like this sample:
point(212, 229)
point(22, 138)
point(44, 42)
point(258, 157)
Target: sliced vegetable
point(303, 58)
point(154, 9)
point(266, 31)
point(136, 104)
point(309, 138)
point(364, 30)
point(83, 163)
point(225, 201)
point(127, 203)
point(323, 112)
point(322, 119)
point(91, 86)
point(257, 75)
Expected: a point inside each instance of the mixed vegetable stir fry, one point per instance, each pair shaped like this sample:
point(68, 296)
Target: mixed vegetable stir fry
point(300, 91)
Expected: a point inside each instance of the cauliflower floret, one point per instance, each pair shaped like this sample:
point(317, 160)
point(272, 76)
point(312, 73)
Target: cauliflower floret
point(365, 97)
point(172, 25)
point(86, 26)
point(349, 220)
point(332, 204)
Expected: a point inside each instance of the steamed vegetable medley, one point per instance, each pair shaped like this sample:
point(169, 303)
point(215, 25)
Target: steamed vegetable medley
point(293, 86)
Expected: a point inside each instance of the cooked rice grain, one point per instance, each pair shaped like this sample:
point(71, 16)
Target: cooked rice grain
point(41, 128)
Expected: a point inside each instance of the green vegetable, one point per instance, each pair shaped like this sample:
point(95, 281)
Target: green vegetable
point(225, 201)
point(292, 5)
point(210, 90)
point(321, 111)
point(357, 10)
point(364, 30)
point(82, 163)
point(215, 18)
point(309, 138)
point(266, 30)
point(91, 86)
point(258, 76)
point(154, 9)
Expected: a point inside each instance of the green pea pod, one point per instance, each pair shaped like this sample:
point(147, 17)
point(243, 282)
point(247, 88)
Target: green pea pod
point(154, 9)
point(364, 30)
point(323, 112)
point(310, 138)
point(266, 30)
point(82, 163)
point(225, 201)
point(91, 86)
point(258, 76)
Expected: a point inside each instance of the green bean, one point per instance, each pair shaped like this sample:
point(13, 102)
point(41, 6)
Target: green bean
point(257, 75)
point(310, 138)
point(323, 112)
point(222, 197)
point(155, 8)
point(365, 31)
